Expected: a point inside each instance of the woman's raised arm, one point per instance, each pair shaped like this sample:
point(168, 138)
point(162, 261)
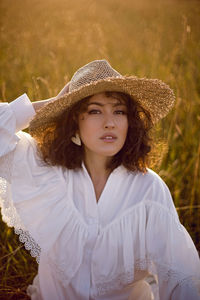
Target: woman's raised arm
point(14, 117)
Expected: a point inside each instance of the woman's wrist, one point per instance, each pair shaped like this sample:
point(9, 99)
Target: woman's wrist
point(23, 111)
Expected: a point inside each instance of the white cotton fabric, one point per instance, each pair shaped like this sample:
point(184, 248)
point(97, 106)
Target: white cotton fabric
point(88, 250)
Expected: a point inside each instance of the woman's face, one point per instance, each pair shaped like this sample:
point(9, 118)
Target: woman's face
point(103, 127)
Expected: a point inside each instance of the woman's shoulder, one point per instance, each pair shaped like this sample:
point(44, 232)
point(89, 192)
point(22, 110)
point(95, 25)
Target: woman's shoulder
point(151, 189)
point(147, 179)
point(150, 175)
point(157, 181)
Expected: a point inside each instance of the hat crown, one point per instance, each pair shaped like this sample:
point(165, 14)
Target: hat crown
point(93, 71)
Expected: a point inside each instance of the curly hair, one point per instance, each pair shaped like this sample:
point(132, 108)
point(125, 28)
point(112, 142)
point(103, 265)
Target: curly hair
point(56, 147)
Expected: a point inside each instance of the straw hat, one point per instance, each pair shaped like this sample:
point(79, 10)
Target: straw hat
point(98, 76)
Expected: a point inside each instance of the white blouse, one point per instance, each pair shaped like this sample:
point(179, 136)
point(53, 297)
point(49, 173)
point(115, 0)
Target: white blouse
point(89, 250)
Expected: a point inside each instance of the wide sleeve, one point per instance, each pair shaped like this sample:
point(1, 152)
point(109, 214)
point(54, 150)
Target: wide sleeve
point(13, 118)
point(35, 198)
point(170, 248)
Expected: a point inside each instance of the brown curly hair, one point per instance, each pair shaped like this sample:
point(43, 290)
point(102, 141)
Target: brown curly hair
point(56, 147)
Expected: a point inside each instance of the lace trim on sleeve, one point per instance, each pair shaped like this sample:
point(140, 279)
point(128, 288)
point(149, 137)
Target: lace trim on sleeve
point(167, 273)
point(29, 243)
point(12, 219)
point(6, 163)
point(190, 282)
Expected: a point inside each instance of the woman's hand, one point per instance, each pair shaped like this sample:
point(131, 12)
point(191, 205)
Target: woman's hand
point(39, 104)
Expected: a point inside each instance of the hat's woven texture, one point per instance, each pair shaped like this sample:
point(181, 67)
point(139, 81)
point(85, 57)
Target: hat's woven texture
point(98, 76)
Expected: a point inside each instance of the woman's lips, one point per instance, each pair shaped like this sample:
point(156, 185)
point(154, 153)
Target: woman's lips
point(108, 137)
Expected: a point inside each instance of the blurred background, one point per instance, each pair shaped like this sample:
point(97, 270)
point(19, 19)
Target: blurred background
point(43, 42)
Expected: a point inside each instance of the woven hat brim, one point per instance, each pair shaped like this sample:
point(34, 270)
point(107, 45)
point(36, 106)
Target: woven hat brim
point(153, 94)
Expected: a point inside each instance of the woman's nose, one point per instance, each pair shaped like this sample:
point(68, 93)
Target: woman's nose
point(109, 122)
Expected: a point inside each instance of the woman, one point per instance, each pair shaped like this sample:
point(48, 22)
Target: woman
point(79, 193)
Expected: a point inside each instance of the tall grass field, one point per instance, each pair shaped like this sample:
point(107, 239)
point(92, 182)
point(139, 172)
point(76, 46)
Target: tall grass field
point(43, 42)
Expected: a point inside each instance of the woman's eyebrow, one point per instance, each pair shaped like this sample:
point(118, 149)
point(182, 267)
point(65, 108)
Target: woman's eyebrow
point(119, 104)
point(96, 103)
point(101, 104)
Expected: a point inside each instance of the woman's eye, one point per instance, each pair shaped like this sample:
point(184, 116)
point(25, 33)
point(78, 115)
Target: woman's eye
point(120, 112)
point(94, 111)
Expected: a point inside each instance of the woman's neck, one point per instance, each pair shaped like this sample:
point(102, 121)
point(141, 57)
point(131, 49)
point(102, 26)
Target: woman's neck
point(97, 169)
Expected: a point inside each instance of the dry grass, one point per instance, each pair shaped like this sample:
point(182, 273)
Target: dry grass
point(44, 42)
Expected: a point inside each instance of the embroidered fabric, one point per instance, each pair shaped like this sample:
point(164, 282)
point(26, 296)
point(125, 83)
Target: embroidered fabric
point(6, 165)
point(165, 274)
point(124, 279)
point(188, 280)
point(127, 277)
point(116, 283)
point(29, 243)
point(12, 219)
